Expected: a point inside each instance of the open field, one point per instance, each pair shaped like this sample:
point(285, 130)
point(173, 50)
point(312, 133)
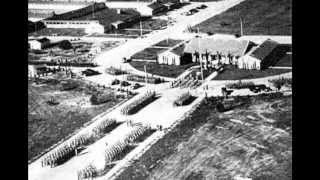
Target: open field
point(271, 17)
point(161, 69)
point(252, 140)
point(48, 124)
point(232, 73)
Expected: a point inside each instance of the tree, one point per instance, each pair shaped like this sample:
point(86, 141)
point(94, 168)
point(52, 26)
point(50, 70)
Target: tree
point(65, 44)
point(220, 107)
point(224, 92)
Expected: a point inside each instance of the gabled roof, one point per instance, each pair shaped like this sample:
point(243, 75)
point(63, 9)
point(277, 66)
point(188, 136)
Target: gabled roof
point(232, 46)
point(262, 51)
point(178, 50)
point(156, 5)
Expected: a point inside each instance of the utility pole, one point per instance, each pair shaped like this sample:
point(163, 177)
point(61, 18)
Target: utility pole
point(140, 28)
point(241, 28)
point(145, 71)
point(93, 10)
point(200, 58)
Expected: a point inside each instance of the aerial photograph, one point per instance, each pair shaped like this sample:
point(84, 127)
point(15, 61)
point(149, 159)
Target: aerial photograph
point(159, 89)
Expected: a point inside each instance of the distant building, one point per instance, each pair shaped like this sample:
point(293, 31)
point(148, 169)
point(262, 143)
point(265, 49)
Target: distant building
point(38, 44)
point(90, 26)
point(260, 57)
point(96, 18)
point(151, 9)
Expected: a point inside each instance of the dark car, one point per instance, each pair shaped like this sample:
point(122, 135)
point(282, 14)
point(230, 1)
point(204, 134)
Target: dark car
point(192, 11)
point(203, 6)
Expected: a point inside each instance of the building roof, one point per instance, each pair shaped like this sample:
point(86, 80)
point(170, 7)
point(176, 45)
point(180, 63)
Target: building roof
point(108, 16)
point(232, 46)
point(42, 40)
point(262, 51)
point(178, 50)
point(117, 22)
point(156, 5)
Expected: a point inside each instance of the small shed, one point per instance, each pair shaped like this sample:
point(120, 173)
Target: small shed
point(157, 8)
point(174, 56)
point(39, 44)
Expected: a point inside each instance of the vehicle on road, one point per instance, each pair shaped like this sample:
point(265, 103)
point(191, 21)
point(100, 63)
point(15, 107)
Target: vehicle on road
point(126, 60)
point(203, 6)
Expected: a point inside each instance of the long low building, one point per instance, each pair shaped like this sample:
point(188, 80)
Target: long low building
point(94, 19)
point(209, 49)
point(89, 26)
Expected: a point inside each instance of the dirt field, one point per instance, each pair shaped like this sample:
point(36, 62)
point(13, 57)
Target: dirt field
point(269, 17)
point(161, 69)
point(253, 140)
point(47, 124)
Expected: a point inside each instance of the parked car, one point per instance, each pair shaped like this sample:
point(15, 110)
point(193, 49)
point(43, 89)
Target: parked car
point(203, 6)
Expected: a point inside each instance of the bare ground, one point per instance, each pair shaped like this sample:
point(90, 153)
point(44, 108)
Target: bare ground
point(48, 124)
point(252, 141)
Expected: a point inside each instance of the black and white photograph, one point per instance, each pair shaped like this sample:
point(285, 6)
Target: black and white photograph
point(159, 89)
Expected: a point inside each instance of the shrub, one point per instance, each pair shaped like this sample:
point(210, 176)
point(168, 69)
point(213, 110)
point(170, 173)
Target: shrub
point(124, 83)
point(100, 98)
point(240, 85)
point(115, 81)
point(65, 45)
point(68, 85)
point(137, 78)
point(278, 83)
point(115, 71)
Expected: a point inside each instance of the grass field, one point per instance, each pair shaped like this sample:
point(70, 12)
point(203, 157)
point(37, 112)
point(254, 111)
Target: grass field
point(47, 124)
point(161, 69)
point(209, 145)
point(260, 17)
point(232, 73)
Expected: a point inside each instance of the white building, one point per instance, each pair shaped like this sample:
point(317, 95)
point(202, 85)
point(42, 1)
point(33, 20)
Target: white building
point(90, 26)
point(38, 44)
point(260, 57)
point(173, 57)
point(212, 51)
point(151, 9)
point(169, 58)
